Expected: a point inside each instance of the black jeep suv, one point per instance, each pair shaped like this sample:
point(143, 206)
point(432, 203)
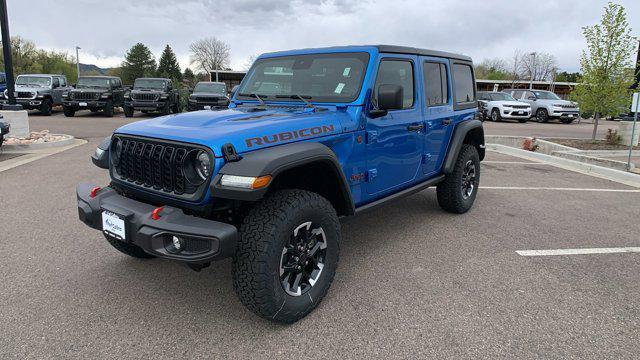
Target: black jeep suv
point(208, 95)
point(94, 93)
point(152, 94)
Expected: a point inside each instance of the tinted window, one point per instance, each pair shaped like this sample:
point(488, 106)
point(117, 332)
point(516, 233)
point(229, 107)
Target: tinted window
point(56, 82)
point(397, 72)
point(435, 83)
point(463, 83)
point(63, 81)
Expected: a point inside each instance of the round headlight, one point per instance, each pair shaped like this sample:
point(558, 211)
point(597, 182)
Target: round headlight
point(203, 165)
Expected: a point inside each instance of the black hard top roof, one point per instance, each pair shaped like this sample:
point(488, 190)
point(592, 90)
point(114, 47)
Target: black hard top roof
point(152, 78)
point(417, 51)
point(99, 76)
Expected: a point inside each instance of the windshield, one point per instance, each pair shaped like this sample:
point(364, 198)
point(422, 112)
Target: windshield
point(33, 80)
point(157, 84)
point(92, 83)
point(211, 88)
point(546, 95)
point(500, 96)
point(333, 77)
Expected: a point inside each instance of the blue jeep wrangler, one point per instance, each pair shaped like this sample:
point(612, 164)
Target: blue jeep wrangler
point(310, 136)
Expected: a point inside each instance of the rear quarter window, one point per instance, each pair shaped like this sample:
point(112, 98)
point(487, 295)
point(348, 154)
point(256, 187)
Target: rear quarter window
point(463, 84)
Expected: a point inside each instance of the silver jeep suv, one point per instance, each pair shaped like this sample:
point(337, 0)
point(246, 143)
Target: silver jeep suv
point(39, 91)
point(546, 105)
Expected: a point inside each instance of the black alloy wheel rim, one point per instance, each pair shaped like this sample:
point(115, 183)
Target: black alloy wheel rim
point(303, 258)
point(541, 116)
point(494, 115)
point(468, 179)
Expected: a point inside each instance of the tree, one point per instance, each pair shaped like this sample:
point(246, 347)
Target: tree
point(210, 54)
point(27, 58)
point(492, 69)
point(138, 62)
point(515, 67)
point(564, 76)
point(540, 67)
point(189, 77)
point(606, 66)
point(250, 60)
point(168, 65)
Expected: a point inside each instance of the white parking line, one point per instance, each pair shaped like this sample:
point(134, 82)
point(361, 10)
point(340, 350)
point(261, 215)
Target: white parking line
point(578, 251)
point(513, 162)
point(558, 189)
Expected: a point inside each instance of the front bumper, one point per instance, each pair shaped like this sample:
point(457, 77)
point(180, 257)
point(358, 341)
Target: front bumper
point(205, 240)
point(214, 105)
point(564, 114)
point(508, 113)
point(145, 105)
point(27, 104)
point(88, 104)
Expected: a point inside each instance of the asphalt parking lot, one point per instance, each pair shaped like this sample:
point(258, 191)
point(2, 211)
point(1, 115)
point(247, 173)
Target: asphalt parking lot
point(413, 281)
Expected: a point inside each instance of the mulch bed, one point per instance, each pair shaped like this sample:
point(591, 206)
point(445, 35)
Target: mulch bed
point(585, 144)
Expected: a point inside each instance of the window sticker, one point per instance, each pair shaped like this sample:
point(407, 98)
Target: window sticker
point(339, 88)
point(346, 72)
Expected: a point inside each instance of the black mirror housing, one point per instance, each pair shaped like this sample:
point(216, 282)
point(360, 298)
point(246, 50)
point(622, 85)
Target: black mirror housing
point(390, 97)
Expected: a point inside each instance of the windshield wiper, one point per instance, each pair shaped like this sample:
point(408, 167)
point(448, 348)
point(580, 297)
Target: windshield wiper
point(303, 98)
point(259, 97)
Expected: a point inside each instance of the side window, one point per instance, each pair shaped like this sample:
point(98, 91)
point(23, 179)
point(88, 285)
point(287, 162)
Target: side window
point(435, 83)
point(397, 72)
point(63, 81)
point(169, 86)
point(528, 95)
point(56, 82)
point(463, 83)
point(517, 94)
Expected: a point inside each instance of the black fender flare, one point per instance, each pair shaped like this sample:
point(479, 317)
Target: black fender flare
point(275, 160)
point(458, 138)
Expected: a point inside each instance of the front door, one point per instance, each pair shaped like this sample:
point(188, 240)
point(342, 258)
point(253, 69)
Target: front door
point(395, 142)
point(438, 110)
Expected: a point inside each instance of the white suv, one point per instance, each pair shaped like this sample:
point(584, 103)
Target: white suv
point(498, 105)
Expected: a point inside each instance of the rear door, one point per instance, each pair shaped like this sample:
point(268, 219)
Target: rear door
point(438, 111)
point(395, 142)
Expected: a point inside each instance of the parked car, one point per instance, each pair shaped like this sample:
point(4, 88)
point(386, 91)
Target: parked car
point(546, 105)
point(499, 105)
point(152, 94)
point(208, 95)
point(4, 130)
point(39, 91)
point(3, 82)
point(94, 93)
point(267, 180)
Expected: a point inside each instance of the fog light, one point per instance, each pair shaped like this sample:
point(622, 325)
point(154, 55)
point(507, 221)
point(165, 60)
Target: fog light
point(177, 245)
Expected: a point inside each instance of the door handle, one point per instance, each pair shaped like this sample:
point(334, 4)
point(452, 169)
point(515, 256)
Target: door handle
point(446, 121)
point(415, 127)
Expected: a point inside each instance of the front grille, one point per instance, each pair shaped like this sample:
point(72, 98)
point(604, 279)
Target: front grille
point(85, 95)
point(568, 106)
point(25, 95)
point(145, 96)
point(520, 106)
point(210, 99)
point(154, 164)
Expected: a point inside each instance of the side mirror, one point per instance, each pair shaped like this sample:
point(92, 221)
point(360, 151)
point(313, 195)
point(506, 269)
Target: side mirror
point(390, 97)
point(532, 98)
point(73, 86)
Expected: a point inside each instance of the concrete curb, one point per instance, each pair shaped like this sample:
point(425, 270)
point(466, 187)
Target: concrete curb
point(622, 177)
point(37, 155)
point(68, 140)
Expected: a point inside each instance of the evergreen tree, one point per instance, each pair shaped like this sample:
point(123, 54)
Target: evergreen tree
point(168, 65)
point(138, 62)
point(189, 76)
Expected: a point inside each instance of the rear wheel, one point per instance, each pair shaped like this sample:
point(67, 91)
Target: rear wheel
point(68, 112)
point(542, 115)
point(108, 109)
point(287, 255)
point(129, 249)
point(46, 107)
point(457, 193)
point(495, 115)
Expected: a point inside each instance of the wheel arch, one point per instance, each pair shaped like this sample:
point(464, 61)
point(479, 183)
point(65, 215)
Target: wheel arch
point(468, 132)
point(306, 166)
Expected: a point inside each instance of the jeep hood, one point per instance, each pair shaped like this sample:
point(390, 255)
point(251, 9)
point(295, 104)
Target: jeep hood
point(247, 130)
point(31, 88)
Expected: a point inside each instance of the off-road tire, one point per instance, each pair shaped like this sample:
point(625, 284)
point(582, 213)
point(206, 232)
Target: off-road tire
point(566, 121)
point(175, 108)
point(449, 192)
point(128, 111)
point(108, 109)
point(46, 107)
point(542, 115)
point(68, 112)
point(128, 249)
point(264, 232)
point(495, 115)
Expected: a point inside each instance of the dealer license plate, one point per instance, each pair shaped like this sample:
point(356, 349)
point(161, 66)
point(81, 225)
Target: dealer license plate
point(82, 104)
point(520, 112)
point(207, 107)
point(113, 225)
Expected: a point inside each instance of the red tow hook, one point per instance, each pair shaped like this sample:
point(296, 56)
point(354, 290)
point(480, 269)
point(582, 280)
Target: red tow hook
point(94, 191)
point(156, 214)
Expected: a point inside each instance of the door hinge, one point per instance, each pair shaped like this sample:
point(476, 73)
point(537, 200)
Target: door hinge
point(372, 136)
point(371, 174)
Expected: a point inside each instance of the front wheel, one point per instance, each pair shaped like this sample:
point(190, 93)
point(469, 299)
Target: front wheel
point(457, 193)
point(68, 112)
point(495, 115)
point(128, 111)
point(542, 115)
point(108, 109)
point(46, 107)
point(287, 255)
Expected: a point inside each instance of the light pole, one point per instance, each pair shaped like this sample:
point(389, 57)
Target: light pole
point(8, 63)
point(531, 67)
point(78, 60)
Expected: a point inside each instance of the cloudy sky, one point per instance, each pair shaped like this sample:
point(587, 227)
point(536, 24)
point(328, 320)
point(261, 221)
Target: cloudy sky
point(482, 29)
